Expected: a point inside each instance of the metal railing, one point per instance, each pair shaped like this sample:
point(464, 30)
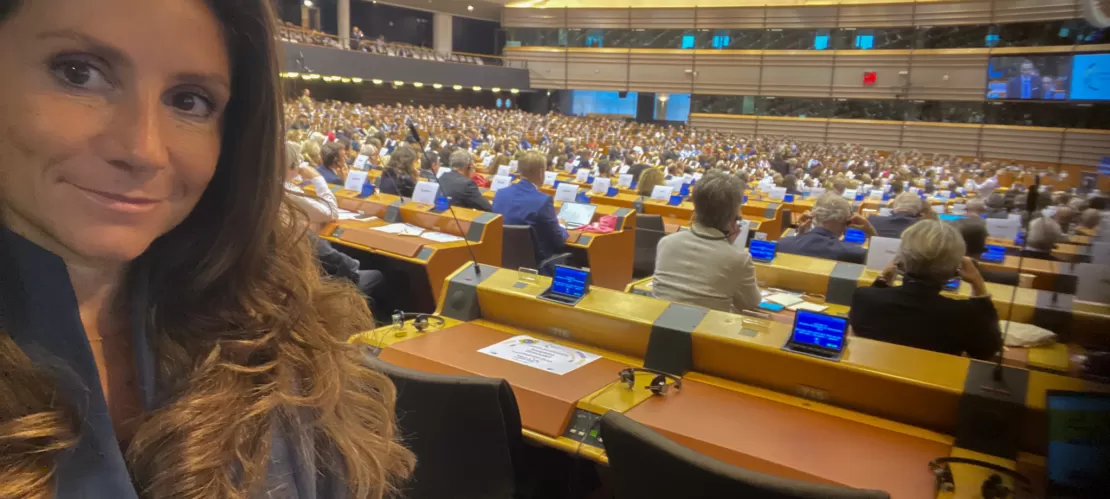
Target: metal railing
point(295, 34)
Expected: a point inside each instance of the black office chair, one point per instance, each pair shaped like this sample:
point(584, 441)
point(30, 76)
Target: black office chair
point(646, 465)
point(647, 241)
point(518, 249)
point(464, 430)
point(650, 222)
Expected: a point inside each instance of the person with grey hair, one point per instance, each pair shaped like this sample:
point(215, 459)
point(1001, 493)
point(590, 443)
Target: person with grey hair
point(905, 211)
point(975, 208)
point(1089, 219)
point(456, 184)
point(996, 205)
point(1065, 216)
point(1041, 238)
point(915, 314)
point(706, 266)
point(820, 232)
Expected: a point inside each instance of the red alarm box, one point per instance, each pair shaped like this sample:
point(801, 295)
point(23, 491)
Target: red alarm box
point(868, 77)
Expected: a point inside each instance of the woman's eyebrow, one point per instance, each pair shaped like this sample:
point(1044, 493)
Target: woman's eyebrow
point(101, 48)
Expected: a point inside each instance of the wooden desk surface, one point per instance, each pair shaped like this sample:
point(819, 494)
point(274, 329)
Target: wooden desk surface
point(793, 441)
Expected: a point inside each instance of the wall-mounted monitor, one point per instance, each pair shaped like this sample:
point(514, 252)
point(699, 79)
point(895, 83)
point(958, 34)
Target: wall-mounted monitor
point(1090, 77)
point(1029, 77)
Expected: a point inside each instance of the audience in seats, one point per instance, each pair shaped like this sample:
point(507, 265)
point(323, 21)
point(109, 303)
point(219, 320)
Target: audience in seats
point(974, 232)
point(458, 186)
point(702, 266)
point(334, 167)
point(820, 232)
point(915, 314)
point(1041, 238)
point(523, 204)
point(905, 210)
point(399, 176)
point(1065, 216)
point(649, 180)
point(1089, 219)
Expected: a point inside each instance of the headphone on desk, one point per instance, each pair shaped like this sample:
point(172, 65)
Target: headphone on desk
point(419, 321)
point(991, 488)
point(658, 385)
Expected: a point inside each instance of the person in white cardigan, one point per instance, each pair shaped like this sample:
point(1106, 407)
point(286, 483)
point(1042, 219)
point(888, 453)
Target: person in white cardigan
point(701, 266)
point(321, 208)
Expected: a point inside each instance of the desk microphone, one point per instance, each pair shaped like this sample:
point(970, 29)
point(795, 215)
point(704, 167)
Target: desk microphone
point(450, 207)
point(1030, 207)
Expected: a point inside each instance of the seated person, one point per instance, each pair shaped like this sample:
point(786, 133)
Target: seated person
point(399, 175)
point(915, 314)
point(1089, 220)
point(523, 204)
point(1065, 216)
point(334, 168)
point(975, 208)
point(700, 266)
point(974, 232)
point(457, 185)
point(649, 179)
point(904, 213)
point(820, 232)
point(996, 205)
point(637, 169)
point(1041, 239)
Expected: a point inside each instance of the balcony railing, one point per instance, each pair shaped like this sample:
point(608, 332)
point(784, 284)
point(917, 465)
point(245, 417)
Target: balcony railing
point(299, 35)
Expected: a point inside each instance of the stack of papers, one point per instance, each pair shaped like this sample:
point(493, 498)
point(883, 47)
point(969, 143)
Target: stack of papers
point(350, 215)
point(401, 229)
point(440, 237)
point(784, 299)
point(805, 305)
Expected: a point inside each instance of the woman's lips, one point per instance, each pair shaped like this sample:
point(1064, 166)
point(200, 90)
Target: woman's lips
point(119, 202)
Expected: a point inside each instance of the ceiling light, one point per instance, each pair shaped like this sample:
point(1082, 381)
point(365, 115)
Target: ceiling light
point(514, 91)
point(292, 75)
point(398, 83)
point(356, 80)
point(308, 3)
point(457, 87)
point(417, 84)
point(346, 80)
point(477, 88)
point(376, 81)
point(496, 89)
point(468, 7)
point(437, 86)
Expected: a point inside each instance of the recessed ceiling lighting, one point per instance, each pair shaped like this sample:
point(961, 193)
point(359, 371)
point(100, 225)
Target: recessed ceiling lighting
point(417, 84)
point(477, 88)
point(308, 3)
point(437, 86)
point(468, 7)
point(457, 87)
point(515, 90)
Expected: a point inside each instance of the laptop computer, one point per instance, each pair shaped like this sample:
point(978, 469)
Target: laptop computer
point(1078, 458)
point(577, 214)
point(818, 335)
point(568, 285)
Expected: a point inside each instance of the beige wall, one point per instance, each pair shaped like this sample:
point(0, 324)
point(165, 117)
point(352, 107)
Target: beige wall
point(780, 13)
point(1042, 145)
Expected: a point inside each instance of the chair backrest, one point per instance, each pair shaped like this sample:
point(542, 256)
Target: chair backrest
point(464, 430)
point(646, 465)
point(647, 241)
point(518, 247)
point(650, 222)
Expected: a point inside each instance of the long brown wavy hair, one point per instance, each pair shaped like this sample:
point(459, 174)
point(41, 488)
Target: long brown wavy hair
point(248, 335)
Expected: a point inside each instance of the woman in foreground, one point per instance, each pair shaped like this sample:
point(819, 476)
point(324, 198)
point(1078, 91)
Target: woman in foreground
point(164, 329)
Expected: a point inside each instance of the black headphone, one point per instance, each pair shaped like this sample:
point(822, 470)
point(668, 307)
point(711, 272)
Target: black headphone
point(658, 385)
point(419, 321)
point(991, 488)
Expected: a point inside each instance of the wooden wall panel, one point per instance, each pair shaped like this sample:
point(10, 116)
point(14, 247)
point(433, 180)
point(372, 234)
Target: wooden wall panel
point(662, 71)
point(732, 18)
point(1085, 147)
point(740, 125)
point(946, 138)
point(884, 135)
point(598, 70)
point(967, 76)
point(803, 129)
point(727, 73)
point(801, 17)
point(864, 16)
point(599, 18)
point(662, 18)
point(931, 14)
point(546, 68)
point(533, 18)
point(1012, 11)
point(796, 73)
point(1027, 143)
point(850, 66)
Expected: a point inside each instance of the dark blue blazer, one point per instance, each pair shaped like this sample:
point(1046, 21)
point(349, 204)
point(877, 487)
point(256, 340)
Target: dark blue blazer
point(329, 176)
point(821, 243)
point(38, 309)
point(523, 204)
point(893, 225)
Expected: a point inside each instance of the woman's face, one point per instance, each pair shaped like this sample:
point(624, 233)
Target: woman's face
point(110, 116)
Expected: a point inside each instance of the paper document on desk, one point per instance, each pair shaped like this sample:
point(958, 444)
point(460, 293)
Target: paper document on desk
point(351, 215)
point(401, 229)
point(542, 355)
point(786, 300)
point(440, 237)
point(805, 305)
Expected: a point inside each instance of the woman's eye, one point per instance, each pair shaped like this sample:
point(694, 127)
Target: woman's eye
point(81, 75)
point(191, 104)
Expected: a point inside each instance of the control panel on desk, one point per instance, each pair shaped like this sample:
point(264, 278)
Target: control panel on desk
point(585, 427)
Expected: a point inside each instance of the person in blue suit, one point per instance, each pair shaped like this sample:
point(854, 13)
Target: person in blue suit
point(820, 232)
point(334, 170)
point(1027, 85)
point(523, 204)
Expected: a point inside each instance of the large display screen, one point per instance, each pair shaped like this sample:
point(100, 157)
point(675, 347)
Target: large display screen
point(1090, 77)
point(1029, 77)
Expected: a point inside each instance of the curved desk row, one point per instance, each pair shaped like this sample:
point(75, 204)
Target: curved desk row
point(873, 420)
